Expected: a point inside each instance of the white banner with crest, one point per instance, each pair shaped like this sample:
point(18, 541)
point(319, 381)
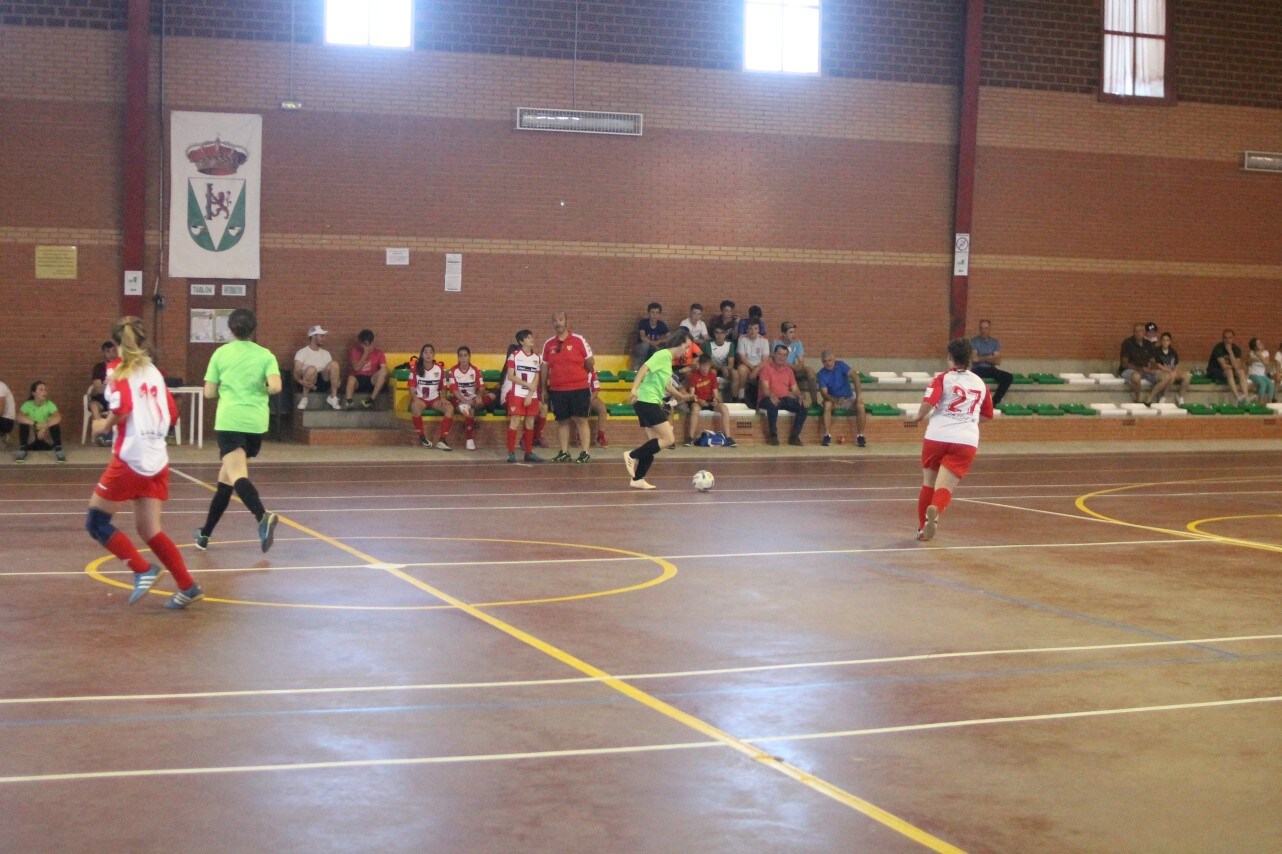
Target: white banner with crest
point(214, 193)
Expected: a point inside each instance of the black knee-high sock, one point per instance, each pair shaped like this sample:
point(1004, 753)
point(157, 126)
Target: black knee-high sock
point(24, 436)
point(217, 506)
point(246, 492)
point(55, 433)
point(645, 457)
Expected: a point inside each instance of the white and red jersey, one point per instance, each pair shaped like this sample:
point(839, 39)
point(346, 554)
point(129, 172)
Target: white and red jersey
point(525, 366)
point(146, 409)
point(427, 385)
point(960, 399)
point(466, 383)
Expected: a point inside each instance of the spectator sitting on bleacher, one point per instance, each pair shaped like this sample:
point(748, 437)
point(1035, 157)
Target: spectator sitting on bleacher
point(702, 383)
point(369, 370)
point(467, 391)
point(1259, 371)
point(721, 349)
point(427, 391)
point(316, 370)
point(1169, 360)
point(651, 333)
point(98, 389)
point(1138, 362)
point(753, 319)
point(1225, 366)
point(694, 323)
point(988, 355)
point(779, 391)
point(728, 320)
point(797, 360)
point(750, 352)
point(839, 386)
point(39, 417)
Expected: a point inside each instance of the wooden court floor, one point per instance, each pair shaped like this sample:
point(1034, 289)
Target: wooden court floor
point(463, 655)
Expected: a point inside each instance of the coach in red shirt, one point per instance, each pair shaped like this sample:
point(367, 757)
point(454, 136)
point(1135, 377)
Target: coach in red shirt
point(566, 383)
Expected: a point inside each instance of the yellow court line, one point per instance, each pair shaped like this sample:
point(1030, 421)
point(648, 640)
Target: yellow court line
point(699, 725)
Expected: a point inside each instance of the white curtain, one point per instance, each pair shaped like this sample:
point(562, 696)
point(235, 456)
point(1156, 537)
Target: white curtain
point(1135, 66)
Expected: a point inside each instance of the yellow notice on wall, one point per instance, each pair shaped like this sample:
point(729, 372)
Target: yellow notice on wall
point(55, 262)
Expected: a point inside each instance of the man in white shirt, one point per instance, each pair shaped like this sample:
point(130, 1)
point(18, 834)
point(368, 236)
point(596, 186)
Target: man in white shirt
point(7, 413)
point(694, 323)
point(316, 370)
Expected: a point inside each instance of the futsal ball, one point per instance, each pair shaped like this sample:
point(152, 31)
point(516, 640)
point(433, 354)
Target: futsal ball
point(703, 480)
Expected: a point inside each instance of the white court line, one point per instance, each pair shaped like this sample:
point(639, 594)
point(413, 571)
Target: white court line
point(603, 751)
point(910, 548)
point(676, 674)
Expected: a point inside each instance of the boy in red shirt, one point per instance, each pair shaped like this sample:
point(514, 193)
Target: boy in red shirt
point(702, 383)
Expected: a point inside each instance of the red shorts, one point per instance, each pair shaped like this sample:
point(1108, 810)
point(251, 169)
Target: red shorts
point(526, 406)
point(121, 483)
point(434, 403)
point(952, 456)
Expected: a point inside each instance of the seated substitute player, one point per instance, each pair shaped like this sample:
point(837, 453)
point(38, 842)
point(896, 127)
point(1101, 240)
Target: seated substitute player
point(523, 367)
point(468, 396)
point(598, 406)
point(702, 383)
point(839, 388)
point(427, 391)
point(142, 408)
point(956, 400)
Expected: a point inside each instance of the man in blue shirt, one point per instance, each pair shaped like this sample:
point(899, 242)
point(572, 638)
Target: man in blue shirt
point(651, 333)
point(797, 360)
point(839, 387)
point(988, 355)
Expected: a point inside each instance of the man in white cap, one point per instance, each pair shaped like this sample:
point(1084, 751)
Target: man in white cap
point(316, 370)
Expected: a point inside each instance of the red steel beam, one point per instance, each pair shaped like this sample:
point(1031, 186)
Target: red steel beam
point(967, 133)
point(134, 191)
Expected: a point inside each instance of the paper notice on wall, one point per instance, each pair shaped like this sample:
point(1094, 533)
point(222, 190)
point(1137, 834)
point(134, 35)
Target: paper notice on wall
point(398, 257)
point(202, 326)
point(453, 272)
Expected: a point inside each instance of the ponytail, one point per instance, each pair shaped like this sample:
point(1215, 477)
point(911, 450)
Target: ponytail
point(131, 340)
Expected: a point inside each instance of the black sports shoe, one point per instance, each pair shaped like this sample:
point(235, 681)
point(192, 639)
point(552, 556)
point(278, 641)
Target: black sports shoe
point(267, 530)
point(202, 542)
point(827, 440)
point(561, 457)
point(583, 457)
point(861, 441)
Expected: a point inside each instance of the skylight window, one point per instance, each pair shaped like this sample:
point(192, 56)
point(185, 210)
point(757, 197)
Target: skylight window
point(369, 23)
point(781, 35)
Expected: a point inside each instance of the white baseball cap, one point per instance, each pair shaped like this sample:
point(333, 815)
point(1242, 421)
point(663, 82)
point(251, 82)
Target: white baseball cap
point(316, 330)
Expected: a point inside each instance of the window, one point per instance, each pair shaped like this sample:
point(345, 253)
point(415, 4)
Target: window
point(781, 35)
point(1135, 49)
point(369, 23)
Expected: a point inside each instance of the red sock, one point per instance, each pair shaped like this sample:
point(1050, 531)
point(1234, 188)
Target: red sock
point(600, 436)
point(528, 444)
point(538, 426)
point(923, 501)
point(468, 427)
point(446, 423)
point(511, 440)
point(418, 423)
point(122, 547)
point(171, 558)
point(941, 499)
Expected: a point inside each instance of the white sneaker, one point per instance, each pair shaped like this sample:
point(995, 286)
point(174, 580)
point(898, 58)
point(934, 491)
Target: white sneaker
point(1179, 401)
point(932, 523)
point(471, 444)
point(334, 402)
point(302, 402)
point(631, 463)
point(642, 484)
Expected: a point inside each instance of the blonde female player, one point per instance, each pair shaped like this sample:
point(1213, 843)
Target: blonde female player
point(956, 400)
point(654, 382)
point(141, 410)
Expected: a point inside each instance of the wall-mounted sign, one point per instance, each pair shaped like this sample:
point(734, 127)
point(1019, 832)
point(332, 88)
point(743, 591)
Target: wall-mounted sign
point(204, 290)
point(233, 290)
point(398, 257)
point(55, 262)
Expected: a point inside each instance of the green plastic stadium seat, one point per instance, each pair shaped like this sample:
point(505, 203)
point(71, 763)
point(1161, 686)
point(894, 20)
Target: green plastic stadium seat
point(1048, 379)
point(1198, 409)
point(814, 410)
point(1230, 409)
point(864, 378)
point(620, 409)
point(607, 376)
point(627, 376)
point(401, 374)
point(1049, 410)
point(882, 409)
point(1259, 409)
point(1020, 379)
point(491, 376)
point(1203, 379)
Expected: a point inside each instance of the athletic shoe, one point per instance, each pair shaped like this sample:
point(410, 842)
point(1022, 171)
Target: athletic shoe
point(471, 444)
point(511, 458)
point(424, 441)
point(20, 456)
point(920, 535)
point(729, 443)
point(533, 458)
point(861, 441)
point(302, 401)
point(143, 582)
point(772, 440)
point(932, 522)
point(583, 457)
point(101, 441)
point(333, 402)
point(642, 484)
point(367, 403)
point(59, 455)
point(1179, 401)
point(183, 598)
point(795, 440)
point(600, 440)
point(688, 443)
point(631, 463)
point(827, 440)
point(267, 530)
point(347, 404)
point(202, 542)
point(561, 457)
point(442, 445)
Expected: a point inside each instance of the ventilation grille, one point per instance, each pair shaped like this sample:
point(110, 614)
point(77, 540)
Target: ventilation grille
point(578, 121)
point(1262, 161)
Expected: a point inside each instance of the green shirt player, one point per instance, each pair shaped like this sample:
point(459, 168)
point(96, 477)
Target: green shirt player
point(240, 376)
point(652, 384)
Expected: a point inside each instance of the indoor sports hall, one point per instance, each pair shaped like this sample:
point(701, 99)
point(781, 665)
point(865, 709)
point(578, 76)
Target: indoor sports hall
point(471, 628)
